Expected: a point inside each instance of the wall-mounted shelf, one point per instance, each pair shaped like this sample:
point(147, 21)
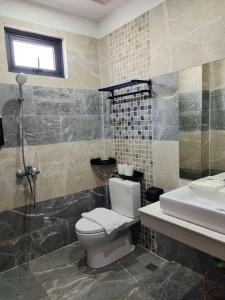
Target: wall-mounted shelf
point(126, 84)
point(99, 162)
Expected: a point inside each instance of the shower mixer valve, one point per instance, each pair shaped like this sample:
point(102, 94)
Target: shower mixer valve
point(29, 171)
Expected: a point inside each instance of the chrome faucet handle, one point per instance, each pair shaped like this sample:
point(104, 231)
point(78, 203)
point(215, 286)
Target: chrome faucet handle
point(35, 171)
point(20, 173)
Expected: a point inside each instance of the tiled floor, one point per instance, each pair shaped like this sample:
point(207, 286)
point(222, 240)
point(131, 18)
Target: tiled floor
point(63, 274)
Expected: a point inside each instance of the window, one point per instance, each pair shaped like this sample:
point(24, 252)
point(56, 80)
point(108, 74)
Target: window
point(33, 53)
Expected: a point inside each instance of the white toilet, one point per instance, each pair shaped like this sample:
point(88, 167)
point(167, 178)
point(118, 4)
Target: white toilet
point(103, 249)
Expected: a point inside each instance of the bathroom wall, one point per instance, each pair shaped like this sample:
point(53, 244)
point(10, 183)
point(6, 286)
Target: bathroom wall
point(191, 33)
point(175, 35)
point(185, 38)
point(217, 116)
point(63, 122)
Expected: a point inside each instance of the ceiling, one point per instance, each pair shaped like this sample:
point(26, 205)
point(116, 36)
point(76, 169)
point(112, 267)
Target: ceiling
point(90, 9)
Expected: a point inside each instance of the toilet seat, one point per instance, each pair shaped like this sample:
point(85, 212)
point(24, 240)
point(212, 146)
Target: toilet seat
point(86, 226)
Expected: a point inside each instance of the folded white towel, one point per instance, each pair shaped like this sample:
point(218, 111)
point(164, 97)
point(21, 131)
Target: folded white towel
point(108, 219)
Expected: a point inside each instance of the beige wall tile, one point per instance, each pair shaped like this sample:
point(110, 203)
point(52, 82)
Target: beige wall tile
point(217, 74)
point(166, 164)
point(81, 55)
point(190, 80)
point(191, 159)
point(206, 80)
point(190, 33)
point(217, 153)
point(104, 57)
point(65, 169)
point(190, 140)
point(217, 140)
point(217, 160)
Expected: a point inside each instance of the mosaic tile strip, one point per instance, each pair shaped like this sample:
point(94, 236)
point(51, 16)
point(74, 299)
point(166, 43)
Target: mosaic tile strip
point(131, 117)
point(137, 153)
point(130, 50)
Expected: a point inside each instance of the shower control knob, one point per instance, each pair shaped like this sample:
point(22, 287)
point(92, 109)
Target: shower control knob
point(20, 173)
point(32, 171)
point(36, 171)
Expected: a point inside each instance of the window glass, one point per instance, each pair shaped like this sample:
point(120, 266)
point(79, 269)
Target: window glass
point(34, 55)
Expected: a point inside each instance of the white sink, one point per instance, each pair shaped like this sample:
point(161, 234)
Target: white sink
point(198, 206)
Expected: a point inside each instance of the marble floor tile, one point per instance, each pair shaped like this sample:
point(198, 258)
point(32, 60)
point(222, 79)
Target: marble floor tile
point(64, 274)
point(171, 282)
point(20, 283)
point(138, 264)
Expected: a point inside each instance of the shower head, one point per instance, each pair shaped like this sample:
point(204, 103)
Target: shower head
point(21, 78)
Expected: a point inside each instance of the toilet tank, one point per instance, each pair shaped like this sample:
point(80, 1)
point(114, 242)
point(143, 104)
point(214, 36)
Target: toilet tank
point(125, 197)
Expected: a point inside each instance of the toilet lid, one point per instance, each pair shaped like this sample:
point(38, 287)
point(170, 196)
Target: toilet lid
point(87, 226)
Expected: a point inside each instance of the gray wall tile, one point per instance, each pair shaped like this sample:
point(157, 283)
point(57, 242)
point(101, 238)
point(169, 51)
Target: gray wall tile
point(9, 104)
point(53, 101)
point(190, 106)
point(165, 85)
point(10, 124)
point(217, 120)
point(45, 109)
point(191, 121)
point(42, 130)
point(165, 108)
point(217, 101)
point(167, 133)
point(92, 104)
point(12, 140)
point(171, 249)
point(76, 128)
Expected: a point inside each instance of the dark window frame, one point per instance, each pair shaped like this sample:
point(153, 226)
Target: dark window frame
point(11, 34)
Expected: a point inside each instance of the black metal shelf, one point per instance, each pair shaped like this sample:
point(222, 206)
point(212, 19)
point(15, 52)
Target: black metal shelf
point(126, 84)
point(128, 94)
point(99, 162)
point(123, 85)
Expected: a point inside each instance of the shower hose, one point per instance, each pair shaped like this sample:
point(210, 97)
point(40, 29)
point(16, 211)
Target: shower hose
point(32, 189)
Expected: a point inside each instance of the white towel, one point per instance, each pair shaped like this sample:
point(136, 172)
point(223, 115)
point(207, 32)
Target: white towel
point(108, 219)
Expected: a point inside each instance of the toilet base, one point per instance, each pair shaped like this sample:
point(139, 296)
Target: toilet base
point(109, 252)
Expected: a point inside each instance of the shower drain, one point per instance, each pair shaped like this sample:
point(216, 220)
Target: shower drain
point(151, 267)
